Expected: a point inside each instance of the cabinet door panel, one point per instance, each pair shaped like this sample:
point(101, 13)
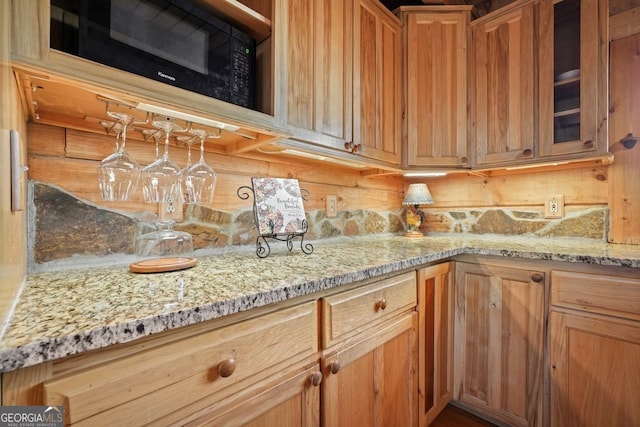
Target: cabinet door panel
point(435, 340)
point(436, 88)
point(375, 384)
point(314, 73)
point(561, 132)
point(290, 403)
point(301, 64)
point(499, 341)
point(594, 371)
point(503, 87)
point(377, 82)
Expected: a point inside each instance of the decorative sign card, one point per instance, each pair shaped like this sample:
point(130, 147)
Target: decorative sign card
point(279, 206)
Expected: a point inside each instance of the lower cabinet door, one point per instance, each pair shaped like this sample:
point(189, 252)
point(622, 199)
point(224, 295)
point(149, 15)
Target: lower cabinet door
point(595, 370)
point(373, 382)
point(293, 401)
point(499, 336)
point(435, 339)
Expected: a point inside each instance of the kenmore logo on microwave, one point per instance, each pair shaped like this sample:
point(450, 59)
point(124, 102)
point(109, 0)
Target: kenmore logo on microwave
point(166, 76)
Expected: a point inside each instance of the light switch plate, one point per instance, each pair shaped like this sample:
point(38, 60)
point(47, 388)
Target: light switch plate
point(18, 171)
point(331, 208)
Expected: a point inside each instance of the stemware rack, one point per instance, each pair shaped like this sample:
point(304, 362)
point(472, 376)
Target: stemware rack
point(263, 249)
point(144, 126)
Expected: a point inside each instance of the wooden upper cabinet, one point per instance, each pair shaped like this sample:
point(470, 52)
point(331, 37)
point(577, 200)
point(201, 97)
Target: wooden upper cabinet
point(377, 95)
point(314, 70)
point(435, 90)
point(573, 86)
point(502, 107)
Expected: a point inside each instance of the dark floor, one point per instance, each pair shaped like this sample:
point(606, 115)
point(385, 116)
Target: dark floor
point(452, 416)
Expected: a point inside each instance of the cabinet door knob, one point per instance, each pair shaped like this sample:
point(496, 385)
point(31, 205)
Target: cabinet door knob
point(528, 152)
point(357, 148)
point(316, 378)
point(588, 144)
point(227, 367)
point(381, 305)
point(348, 145)
point(334, 367)
point(462, 160)
point(537, 277)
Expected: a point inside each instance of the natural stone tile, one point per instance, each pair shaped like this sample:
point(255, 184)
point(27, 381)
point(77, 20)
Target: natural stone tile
point(66, 226)
point(207, 215)
point(245, 219)
point(591, 225)
point(351, 228)
point(458, 215)
point(374, 223)
point(328, 229)
point(395, 223)
point(499, 222)
point(204, 236)
point(528, 214)
point(438, 223)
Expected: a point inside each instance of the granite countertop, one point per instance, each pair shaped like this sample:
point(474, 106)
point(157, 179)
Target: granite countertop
point(61, 313)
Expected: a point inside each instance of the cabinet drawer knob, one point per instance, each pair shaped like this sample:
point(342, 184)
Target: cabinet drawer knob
point(381, 305)
point(227, 367)
point(537, 277)
point(316, 378)
point(334, 367)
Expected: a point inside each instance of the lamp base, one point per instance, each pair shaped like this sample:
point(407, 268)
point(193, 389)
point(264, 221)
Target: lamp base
point(414, 234)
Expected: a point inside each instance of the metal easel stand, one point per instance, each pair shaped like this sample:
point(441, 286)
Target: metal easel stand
point(262, 244)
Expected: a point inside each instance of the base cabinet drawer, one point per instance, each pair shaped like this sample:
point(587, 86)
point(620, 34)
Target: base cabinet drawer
point(350, 313)
point(617, 296)
point(155, 385)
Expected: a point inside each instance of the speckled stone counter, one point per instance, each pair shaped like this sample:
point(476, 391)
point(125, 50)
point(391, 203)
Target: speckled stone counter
point(66, 312)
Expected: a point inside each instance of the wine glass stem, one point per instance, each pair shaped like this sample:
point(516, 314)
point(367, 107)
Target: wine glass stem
point(124, 136)
point(166, 144)
point(201, 150)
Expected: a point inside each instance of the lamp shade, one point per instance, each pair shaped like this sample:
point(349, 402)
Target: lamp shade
point(418, 194)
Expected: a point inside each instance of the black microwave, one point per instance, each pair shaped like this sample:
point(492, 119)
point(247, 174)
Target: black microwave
point(171, 41)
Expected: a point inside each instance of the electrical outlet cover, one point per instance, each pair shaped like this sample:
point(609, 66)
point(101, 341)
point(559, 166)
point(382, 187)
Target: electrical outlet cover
point(554, 207)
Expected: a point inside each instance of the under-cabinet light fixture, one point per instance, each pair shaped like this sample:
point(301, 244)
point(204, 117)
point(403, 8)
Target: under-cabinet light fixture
point(535, 165)
point(300, 153)
point(423, 174)
point(185, 116)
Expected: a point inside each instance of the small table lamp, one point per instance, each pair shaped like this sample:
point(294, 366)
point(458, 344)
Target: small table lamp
point(417, 194)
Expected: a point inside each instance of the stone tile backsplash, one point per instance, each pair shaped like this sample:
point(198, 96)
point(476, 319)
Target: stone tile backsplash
point(63, 226)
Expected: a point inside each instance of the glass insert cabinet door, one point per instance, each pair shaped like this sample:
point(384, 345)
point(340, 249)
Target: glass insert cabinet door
point(573, 55)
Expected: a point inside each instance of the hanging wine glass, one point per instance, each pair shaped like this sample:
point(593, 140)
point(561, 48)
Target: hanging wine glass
point(199, 180)
point(119, 173)
point(160, 179)
point(188, 140)
point(156, 134)
point(115, 127)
